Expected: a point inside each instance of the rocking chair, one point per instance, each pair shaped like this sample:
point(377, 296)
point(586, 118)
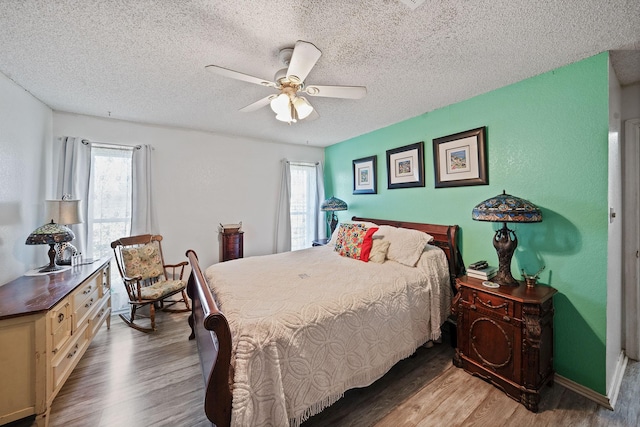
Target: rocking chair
point(144, 273)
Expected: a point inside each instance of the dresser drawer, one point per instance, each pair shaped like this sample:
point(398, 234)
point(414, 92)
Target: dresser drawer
point(85, 290)
point(66, 359)
point(59, 315)
point(81, 311)
point(99, 315)
point(488, 304)
point(60, 336)
point(105, 288)
point(59, 319)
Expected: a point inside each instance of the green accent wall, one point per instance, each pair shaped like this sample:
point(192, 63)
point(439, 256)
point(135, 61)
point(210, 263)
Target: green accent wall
point(547, 143)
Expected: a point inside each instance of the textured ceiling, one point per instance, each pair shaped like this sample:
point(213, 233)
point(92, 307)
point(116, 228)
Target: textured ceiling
point(143, 60)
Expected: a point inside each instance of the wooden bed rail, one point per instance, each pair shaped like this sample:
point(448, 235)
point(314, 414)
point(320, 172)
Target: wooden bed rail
point(211, 330)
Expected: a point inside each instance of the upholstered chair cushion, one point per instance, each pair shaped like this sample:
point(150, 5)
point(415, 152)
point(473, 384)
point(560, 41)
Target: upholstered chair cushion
point(144, 261)
point(161, 288)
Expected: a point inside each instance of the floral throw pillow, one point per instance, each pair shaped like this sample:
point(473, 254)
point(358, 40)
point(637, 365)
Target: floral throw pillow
point(354, 241)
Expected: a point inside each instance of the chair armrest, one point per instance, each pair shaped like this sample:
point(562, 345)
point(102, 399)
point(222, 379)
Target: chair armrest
point(182, 264)
point(174, 267)
point(132, 279)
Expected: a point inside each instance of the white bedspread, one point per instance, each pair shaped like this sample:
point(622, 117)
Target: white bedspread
point(308, 325)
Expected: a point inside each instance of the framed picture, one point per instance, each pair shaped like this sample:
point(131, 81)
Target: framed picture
point(405, 166)
point(460, 159)
point(364, 175)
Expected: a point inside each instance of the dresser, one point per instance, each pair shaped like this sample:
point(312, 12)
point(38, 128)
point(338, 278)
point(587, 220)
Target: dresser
point(232, 245)
point(505, 336)
point(46, 324)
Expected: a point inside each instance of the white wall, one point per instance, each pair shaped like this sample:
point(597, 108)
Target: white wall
point(25, 129)
point(202, 179)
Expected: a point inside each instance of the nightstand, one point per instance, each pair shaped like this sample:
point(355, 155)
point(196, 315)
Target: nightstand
point(319, 242)
point(505, 336)
point(232, 245)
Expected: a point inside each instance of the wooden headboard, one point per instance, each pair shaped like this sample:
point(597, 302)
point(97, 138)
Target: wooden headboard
point(444, 236)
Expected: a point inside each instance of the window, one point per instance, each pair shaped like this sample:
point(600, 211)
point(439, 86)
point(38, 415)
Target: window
point(304, 205)
point(110, 207)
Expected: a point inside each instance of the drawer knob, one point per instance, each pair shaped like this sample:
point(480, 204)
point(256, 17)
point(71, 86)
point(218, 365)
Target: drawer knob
point(86, 291)
point(506, 318)
point(473, 307)
point(87, 305)
point(60, 317)
point(70, 355)
point(55, 350)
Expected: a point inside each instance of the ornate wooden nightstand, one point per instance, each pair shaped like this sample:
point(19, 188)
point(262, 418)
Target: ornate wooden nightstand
point(505, 336)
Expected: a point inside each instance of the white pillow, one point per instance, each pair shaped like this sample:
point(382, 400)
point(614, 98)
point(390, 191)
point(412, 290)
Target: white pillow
point(406, 245)
point(379, 251)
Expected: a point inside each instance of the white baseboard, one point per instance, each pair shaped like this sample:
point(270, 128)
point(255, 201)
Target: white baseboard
point(608, 401)
point(616, 382)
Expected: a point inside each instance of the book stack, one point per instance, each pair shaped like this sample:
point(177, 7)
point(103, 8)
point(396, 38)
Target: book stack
point(481, 270)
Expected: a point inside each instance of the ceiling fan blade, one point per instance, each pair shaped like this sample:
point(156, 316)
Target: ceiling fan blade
point(350, 92)
point(304, 57)
point(238, 76)
point(258, 104)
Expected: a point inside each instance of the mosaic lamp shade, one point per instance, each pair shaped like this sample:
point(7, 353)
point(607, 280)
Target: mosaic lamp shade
point(506, 208)
point(333, 204)
point(50, 234)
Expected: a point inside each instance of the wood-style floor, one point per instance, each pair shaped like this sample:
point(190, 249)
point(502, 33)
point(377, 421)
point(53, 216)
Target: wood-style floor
point(136, 379)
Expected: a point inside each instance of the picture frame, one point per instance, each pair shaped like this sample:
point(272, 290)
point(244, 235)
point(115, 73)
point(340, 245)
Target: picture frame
point(365, 176)
point(405, 166)
point(461, 159)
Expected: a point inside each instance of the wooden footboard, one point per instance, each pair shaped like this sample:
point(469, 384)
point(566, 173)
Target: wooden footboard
point(211, 330)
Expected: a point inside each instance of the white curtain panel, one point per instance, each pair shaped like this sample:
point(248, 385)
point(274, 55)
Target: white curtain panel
point(143, 218)
point(320, 231)
point(73, 178)
point(310, 176)
point(283, 214)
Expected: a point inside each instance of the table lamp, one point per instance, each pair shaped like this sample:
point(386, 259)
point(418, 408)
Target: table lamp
point(333, 204)
point(66, 212)
point(50, 234)
point(506, 208)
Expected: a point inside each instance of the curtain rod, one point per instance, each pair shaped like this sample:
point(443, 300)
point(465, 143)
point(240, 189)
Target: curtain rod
point(302, 162)
point(87, 142)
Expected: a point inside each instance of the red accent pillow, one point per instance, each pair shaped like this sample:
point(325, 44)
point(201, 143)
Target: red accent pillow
point(366, 244)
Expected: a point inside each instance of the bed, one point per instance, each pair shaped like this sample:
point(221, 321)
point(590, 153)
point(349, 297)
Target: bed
point(327, 323)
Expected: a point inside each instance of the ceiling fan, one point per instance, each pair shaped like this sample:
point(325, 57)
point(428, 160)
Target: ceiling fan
point(288, 104)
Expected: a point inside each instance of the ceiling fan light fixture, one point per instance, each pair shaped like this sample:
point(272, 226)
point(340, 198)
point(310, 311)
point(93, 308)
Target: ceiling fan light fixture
point(302, 107)
point(285, 118)
point(280, 105)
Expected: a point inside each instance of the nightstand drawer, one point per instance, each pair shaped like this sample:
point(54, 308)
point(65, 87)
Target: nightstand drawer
point(488, 304)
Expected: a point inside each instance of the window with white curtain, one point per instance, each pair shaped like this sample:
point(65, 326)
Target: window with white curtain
point(304, 208)
point(110, 207)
